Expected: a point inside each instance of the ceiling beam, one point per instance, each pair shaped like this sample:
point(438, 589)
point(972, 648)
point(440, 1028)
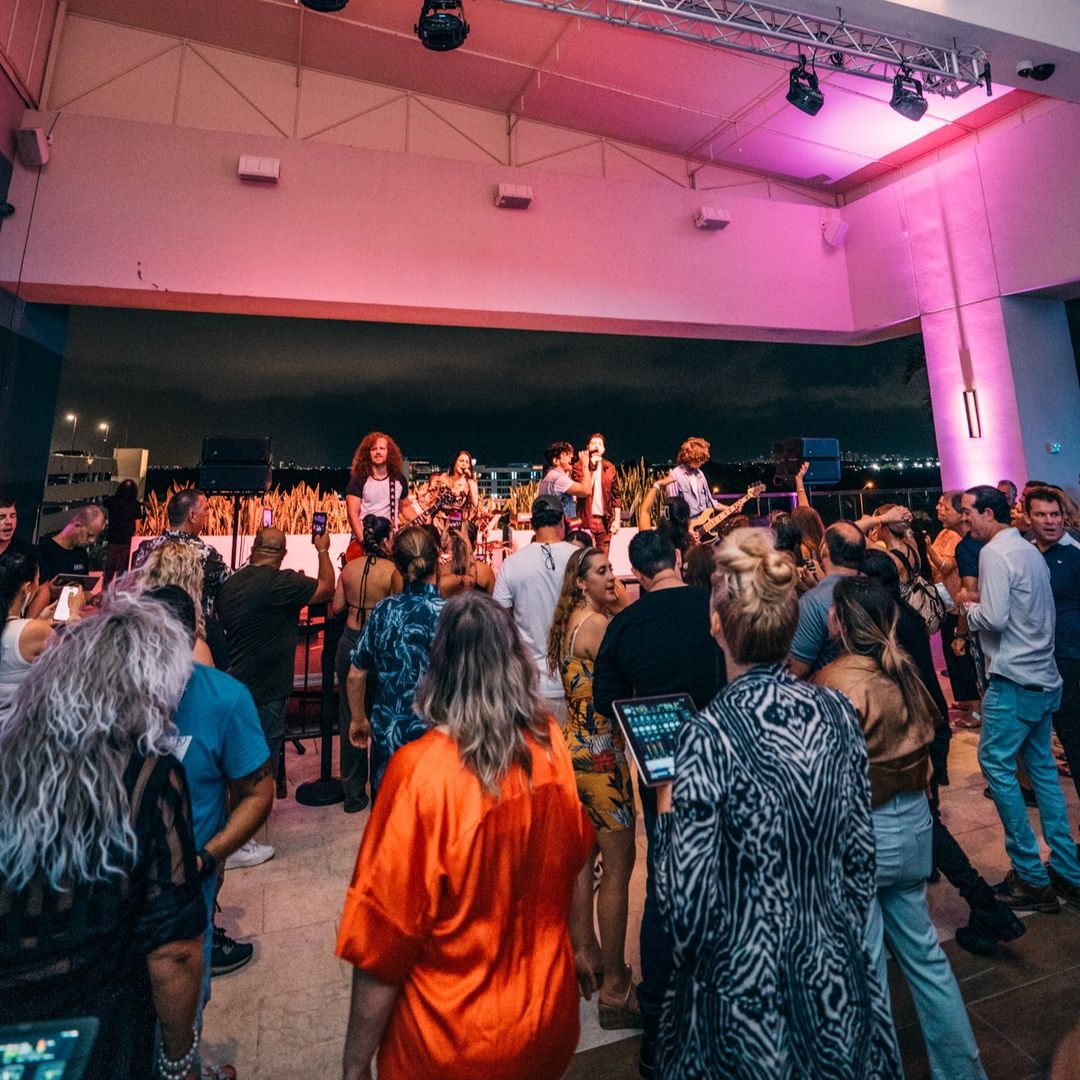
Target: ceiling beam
point(766, 30)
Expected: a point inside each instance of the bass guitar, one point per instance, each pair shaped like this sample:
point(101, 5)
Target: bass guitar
point(704, 528)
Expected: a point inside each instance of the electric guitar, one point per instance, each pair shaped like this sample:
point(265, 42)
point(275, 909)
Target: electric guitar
point(704, 527)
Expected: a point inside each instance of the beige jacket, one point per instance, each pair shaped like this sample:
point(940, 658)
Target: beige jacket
point(896, 741)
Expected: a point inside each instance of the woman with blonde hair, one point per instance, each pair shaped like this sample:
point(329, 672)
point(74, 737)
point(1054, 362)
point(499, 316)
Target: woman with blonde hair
point(765, 857)
point(456, 920)
point(393, 648)
point(103, 913)
point(898, 719)
point(179, 564)
point(596, 746)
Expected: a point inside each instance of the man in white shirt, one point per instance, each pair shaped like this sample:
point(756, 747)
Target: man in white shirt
point(1015, 619)
point(600, 511)
point(529, 583)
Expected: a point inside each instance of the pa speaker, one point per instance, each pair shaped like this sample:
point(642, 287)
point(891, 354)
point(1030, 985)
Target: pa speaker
point(223, 449)
point(822, 454)
point(236, 479)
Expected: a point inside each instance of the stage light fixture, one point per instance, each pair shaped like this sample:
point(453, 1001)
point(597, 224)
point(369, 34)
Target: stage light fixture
point(803, 90)
point(325, 6)
point(442, 25)
point(907, 95)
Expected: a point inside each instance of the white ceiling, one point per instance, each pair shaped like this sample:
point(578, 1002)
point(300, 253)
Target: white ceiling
point(694, 100)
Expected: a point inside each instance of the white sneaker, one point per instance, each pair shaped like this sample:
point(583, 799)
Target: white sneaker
point(249, 854)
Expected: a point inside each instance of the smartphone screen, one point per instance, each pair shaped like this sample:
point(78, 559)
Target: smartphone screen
point(268, 517)
point(63, 605)
point(318, 523)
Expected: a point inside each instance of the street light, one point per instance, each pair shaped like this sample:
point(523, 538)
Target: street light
point(104, 426)
point(73, 420)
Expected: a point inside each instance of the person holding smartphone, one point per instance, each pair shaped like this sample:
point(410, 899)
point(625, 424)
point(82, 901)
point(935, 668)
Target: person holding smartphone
point(259, 607)
point(765, 857)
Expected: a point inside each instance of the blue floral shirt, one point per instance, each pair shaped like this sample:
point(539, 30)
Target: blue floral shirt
point(394, 648)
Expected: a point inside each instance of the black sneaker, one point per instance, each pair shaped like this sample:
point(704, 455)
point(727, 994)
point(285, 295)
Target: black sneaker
point(356, 805)
point(227, 955)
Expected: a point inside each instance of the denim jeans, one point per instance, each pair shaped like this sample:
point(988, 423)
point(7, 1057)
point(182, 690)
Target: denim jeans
point(1016, 725)
point(901, 919)
point(272, 719)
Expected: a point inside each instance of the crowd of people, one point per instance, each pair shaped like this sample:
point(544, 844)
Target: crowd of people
point(141, 737)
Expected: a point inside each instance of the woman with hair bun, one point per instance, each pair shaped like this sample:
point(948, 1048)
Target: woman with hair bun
point(393, 647)
point(898, 719)
point(362, 584)
point(765, 857)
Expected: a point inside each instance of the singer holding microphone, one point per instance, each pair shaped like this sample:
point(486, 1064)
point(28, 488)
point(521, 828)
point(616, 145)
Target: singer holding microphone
point(601, 510)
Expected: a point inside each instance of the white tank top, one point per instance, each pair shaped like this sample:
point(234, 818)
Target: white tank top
point(13, 667)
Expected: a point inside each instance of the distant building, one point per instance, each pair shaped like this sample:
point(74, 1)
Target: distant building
point(74, 478)
point(498, 480)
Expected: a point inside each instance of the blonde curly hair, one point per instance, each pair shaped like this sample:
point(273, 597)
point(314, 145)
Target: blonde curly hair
point(177, 564)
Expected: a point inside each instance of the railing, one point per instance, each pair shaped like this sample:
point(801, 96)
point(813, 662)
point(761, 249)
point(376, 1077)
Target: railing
point(833, 504)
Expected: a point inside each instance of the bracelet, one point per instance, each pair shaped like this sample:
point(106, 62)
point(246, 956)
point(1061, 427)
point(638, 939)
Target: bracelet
point(168, 1069)
point(209, 864)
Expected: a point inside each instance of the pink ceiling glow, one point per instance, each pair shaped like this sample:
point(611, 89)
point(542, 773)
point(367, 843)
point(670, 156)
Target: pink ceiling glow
point(701, 102)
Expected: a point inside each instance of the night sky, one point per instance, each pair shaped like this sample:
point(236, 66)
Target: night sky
point(165, 379)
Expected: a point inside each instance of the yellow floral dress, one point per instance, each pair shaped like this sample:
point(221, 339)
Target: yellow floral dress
point(596, 747)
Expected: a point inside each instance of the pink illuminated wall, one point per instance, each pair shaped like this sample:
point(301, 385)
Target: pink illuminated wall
point(149, 215)
point(947, 242)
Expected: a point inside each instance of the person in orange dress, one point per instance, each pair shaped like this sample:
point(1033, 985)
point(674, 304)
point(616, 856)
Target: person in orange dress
point(457, 918)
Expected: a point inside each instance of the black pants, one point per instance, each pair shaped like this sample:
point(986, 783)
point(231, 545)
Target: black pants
point(1067, 718)
point(949, 857)
point(961, 669)
point(657, 962)
point(354, 761)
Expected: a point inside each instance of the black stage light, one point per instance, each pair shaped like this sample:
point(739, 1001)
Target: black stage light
point(442, 25)
point(325, 6)
point(907, 95)
point(803, 90)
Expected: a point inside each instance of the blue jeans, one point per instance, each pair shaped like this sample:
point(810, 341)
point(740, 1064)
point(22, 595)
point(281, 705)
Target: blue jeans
point(1016, 725)
point(900, 918)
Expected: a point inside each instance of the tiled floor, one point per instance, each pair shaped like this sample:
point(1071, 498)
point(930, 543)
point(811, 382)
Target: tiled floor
point(283, 1016)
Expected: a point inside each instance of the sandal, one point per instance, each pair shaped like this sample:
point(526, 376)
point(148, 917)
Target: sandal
point(218, 1072)
point(627, 1014)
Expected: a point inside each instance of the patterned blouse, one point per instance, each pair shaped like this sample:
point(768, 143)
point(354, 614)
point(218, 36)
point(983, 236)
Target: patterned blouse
point(765, 875)
point(394, 647)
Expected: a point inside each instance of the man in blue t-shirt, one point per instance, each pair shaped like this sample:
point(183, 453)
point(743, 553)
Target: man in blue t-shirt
point(224, 753)
point(841, 556)
point(559, 480)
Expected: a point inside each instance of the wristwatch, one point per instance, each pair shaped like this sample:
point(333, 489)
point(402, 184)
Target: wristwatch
point(209, 864)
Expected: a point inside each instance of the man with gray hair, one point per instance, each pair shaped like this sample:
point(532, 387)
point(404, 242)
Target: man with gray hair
point(186, 513)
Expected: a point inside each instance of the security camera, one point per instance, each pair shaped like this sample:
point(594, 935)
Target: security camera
point(1039, 72)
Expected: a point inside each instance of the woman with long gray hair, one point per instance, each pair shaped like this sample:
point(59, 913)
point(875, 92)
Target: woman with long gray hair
point(102, 911)
point(457, 917)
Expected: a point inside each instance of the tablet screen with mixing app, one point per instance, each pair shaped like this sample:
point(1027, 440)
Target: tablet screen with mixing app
point(651, 726)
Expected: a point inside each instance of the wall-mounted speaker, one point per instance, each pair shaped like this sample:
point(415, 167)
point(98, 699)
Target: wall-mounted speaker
point(33, 146)
point(833, 232)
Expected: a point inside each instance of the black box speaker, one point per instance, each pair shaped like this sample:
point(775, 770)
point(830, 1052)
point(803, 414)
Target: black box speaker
point(244, 478)
point(823, 455)
point(234, 451)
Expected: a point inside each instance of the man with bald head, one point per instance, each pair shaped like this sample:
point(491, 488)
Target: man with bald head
point(259, 607)
point(841, 555)
point(67, 552)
